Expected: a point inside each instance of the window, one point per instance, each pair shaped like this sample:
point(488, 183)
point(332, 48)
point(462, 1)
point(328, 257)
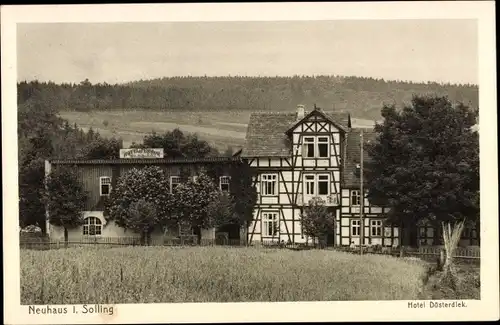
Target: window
point(224, 183)
point(316, 147)
point(105, 185)
point(317, 184)
point(194, 178)
point(355, 227)
point(469, 233)
point(92, 226)
point(323, 144)
point(308, 147)
point(376, 227)
point(270, 224)
point(310, 184)
point(269, 183)
point(323, 185)
point(355, 198)
point(174, 181)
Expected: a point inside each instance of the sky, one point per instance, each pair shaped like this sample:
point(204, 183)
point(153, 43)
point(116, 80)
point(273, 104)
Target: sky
point(416, 50)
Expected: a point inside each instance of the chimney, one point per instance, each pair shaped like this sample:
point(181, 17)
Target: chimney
point(300, 112)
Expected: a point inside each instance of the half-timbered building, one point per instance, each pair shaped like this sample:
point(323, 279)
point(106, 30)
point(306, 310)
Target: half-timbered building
point(301, 155)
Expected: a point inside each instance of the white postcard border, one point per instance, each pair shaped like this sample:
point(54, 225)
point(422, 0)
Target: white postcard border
point(485, 309)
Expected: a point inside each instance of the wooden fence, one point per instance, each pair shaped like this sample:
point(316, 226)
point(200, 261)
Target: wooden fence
point(427, 252)
point(470, 254)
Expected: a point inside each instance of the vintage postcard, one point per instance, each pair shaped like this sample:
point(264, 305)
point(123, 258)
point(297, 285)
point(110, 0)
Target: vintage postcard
point(270, 162)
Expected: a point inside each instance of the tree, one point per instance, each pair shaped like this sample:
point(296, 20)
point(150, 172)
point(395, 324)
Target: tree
point(65, 199)
point(141, 219)
point(317, 221)
point(424, 163)
point(178, 145)
point(31, 191)
point(451, 238)
point(145, 188)
point(102, 148)
point(194, 203)
point(222, 209)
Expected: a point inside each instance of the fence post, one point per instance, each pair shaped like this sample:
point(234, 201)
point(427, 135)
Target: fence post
point(441, 259)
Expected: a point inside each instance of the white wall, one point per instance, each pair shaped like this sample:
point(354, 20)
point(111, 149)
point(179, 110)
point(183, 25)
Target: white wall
point(111, 229)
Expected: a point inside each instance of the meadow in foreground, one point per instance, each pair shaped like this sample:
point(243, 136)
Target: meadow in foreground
point(212, 274)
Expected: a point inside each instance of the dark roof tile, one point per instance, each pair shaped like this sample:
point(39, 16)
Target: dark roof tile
point(353, 154)
point(145, 161)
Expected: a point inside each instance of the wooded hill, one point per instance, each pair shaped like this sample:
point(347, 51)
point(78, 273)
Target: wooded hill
point(362, 97)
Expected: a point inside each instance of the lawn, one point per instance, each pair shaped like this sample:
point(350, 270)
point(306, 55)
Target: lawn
point(212, 274)
point(220, 129)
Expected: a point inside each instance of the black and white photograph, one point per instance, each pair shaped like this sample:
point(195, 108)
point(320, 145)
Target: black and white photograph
point(215, 165)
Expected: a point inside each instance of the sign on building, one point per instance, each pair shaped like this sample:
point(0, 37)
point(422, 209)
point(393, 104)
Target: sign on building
point(141, 153)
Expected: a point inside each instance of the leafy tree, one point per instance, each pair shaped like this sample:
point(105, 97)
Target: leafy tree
point(317, 221)
point(65, 199)
point(222, 209)
point(42, 135)
point(178, 145)
point(194, 203)
point(424, 164)
point(141, 188)
point(31, 191)
point(142, 218)
point(102, 148)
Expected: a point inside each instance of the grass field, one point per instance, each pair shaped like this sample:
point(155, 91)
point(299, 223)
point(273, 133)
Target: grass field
point(212, 274)
point(221, 129)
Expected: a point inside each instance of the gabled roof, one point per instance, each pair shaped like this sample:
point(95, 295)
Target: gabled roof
point(267, 132)
point(350, 176)
point(340, 119)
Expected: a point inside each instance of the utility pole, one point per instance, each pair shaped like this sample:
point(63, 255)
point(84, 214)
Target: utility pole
point(362, 199)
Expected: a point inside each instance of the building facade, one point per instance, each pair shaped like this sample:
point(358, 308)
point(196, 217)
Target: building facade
point(295, 157)
point(302, 155)
point(99, 177)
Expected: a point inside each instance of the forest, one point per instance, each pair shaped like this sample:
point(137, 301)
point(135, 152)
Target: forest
point(363, 97)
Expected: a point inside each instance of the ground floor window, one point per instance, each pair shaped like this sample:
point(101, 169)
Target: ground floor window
point(469, 233)
point(270, 224)
point(92, 226)
point(355, 227)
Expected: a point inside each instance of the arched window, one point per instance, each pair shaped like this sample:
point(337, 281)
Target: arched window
point(92, 226)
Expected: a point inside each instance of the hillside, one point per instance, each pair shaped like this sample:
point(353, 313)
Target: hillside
point(362, 97)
